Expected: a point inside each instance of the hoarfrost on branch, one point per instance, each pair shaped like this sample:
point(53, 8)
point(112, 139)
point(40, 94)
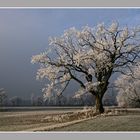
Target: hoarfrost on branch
point(89, 56)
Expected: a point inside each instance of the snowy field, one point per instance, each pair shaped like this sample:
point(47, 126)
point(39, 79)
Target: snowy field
point(26, 118)
point(32, 119)
point(126, 122)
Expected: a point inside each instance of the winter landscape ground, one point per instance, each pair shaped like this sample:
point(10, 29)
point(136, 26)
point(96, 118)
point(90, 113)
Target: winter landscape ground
point(35, 120)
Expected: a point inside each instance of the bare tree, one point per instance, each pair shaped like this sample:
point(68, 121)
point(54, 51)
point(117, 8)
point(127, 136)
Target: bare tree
point(88, 56)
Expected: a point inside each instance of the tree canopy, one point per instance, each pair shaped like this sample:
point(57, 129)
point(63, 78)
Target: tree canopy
point(88, 56)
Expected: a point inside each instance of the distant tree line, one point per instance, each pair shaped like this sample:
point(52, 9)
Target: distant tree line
point(83, 100)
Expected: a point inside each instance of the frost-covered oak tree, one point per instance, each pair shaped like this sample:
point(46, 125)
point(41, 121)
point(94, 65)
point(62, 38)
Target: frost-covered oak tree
point(129, 88)
point(88, 56)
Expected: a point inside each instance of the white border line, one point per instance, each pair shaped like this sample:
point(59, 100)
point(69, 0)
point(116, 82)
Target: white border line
point(96, 132)
point(88, 132)
point(70, 7)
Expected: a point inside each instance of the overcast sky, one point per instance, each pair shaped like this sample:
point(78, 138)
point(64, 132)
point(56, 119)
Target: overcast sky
point(25, 32)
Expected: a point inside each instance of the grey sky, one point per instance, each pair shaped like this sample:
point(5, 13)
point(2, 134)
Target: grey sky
point(25, 32)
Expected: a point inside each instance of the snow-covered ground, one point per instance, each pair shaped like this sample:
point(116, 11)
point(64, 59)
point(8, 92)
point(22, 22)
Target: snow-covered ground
point(37, 120)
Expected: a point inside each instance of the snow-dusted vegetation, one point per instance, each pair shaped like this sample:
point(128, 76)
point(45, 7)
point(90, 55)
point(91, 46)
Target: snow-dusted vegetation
point(129, 88)
point(90, 57)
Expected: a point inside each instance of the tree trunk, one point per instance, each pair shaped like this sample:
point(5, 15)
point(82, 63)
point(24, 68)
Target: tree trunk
point(99, 105)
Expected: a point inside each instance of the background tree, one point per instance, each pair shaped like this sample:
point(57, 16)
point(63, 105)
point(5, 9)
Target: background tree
point(61, 100)
point(83, 99)
point(3, 96)
point(16, 101)
point(39, 101)
point(110, 97)
point(89, 57)
point(78, 99)
point(32, 99)
point(129, 88)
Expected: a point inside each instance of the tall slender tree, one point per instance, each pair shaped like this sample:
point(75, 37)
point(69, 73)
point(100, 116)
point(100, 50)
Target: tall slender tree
point(3, 96)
